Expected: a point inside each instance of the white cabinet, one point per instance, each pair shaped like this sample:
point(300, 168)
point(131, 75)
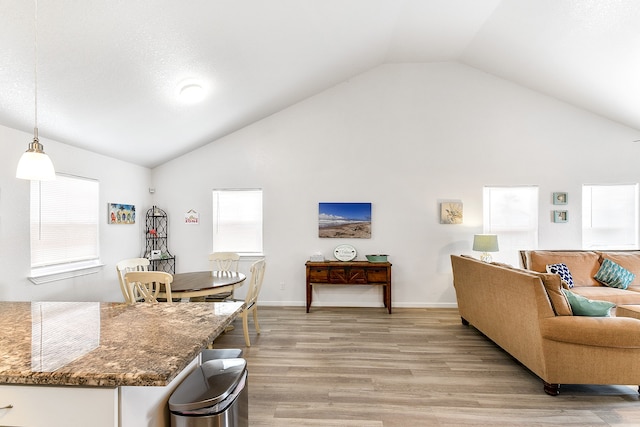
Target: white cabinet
point(36, 406)
point(72, 406)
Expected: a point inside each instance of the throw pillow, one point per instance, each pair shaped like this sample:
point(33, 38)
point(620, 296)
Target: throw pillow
point(582, 306)
point(614, 275)
point(563, 271)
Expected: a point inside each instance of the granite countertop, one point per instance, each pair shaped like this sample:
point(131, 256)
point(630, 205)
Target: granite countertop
point(105, 344)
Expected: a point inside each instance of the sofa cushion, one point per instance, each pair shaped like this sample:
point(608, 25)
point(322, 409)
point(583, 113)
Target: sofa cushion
point(614, 275)
point(563, 271)
point(581, 306)
point(605, 293)
point(553, 285)
point(629, 260)
point(582, 264)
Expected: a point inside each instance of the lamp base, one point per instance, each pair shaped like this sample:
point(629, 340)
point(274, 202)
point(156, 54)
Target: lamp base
point(486, 257)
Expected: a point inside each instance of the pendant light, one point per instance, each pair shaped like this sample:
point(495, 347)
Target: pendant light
point(34, 163)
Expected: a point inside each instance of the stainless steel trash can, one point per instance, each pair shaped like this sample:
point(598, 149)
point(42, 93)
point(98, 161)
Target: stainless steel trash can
point(215, 394)
point(221, 353)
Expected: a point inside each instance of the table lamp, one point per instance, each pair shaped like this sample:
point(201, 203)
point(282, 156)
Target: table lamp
point(485, 243)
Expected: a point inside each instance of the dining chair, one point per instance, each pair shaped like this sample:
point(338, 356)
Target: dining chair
point(223, 261)
point(125, 266)
point(251, 300)
point(147, 284)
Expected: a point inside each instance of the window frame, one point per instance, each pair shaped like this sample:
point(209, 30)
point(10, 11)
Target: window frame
point(52, 270)
point(588, 214)
point(255, 251)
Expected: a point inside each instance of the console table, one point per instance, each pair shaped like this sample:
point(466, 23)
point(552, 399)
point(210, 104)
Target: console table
point(350, 273)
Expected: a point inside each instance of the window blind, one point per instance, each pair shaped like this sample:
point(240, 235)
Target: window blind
point(237, 221)
point(64, 221)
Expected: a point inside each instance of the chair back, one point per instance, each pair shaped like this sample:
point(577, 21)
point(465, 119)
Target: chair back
point(147, 284)
point(224, 261)
point(127, 265)
point(255, 282)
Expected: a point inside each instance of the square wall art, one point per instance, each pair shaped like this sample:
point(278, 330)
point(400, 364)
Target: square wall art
point(451, 213)
point(344, 220)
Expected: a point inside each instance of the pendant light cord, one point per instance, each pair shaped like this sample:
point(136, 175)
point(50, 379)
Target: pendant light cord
point(35, 68)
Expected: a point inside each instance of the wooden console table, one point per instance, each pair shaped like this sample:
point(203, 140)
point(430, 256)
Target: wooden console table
point(350, 273)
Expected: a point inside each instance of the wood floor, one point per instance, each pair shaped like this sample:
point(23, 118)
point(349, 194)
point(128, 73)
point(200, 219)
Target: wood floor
point(357, 367)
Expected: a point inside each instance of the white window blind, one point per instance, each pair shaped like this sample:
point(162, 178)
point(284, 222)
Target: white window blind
point(237, 221)
point(610, 216)
point(512, 214)
point(64, 223)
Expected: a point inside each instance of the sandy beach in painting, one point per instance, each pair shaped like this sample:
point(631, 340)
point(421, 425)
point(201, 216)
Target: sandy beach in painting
point(357, 230)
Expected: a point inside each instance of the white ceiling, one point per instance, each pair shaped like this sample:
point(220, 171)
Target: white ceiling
point(108, 70)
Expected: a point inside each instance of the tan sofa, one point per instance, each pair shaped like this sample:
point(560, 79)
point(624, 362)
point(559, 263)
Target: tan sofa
point(583, 265)
point(525, 313)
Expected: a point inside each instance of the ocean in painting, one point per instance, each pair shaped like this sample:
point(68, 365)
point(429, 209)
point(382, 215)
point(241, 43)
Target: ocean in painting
point(344, 220)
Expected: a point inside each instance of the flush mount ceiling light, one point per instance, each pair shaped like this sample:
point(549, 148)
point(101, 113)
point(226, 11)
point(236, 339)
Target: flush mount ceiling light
point(190, 91)
point(34, 163)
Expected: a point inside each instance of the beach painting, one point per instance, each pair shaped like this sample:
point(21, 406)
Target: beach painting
point(121, 214)
point(344, 220)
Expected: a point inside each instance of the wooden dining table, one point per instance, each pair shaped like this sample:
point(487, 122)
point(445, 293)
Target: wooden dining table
point(203, 283)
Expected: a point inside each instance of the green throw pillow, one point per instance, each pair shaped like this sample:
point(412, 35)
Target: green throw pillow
point(614, 275)
point(582, 306)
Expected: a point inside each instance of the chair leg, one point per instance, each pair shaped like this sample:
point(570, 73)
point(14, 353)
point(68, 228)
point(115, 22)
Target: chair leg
point(255, 318)
point(245, 327)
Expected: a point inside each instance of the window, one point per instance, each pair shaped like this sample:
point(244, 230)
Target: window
point(237, 221)
point(610, 216)
point(64, 227)
point(512, 214)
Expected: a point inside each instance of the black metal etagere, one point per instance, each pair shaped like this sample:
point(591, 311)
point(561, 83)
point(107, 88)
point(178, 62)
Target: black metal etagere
point(156, 249)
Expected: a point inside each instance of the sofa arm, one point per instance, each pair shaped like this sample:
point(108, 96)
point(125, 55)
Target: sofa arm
point(616, 332)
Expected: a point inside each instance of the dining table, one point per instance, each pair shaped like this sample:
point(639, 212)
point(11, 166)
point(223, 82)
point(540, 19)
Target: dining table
point(203, 283)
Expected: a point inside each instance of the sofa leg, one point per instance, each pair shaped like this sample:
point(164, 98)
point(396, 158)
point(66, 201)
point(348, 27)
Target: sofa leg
point(551, 389)
point(465, 322)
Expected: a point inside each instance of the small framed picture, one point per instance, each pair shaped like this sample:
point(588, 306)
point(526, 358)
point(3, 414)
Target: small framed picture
point(560, 216)
point(560, 198)
point(120, 213)
point(451, 213)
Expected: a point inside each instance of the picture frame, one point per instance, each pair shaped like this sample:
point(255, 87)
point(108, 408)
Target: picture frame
point(560, 198)
point(338, 220)
point(451, 212)
point(120, 213)
point(560, 216)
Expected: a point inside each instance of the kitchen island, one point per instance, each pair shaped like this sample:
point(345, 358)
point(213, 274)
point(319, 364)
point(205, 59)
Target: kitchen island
point(100, 364)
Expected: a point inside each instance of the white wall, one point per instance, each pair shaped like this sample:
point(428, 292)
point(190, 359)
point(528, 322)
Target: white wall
point(403, 137)
point(120, 182)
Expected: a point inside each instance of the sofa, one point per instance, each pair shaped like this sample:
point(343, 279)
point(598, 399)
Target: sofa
point(526, 313)
point(583, 266)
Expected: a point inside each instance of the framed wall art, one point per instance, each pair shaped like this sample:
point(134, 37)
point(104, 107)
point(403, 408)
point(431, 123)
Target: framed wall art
point(451, 213)
point(120, 213)
point(560, 198)
point(560, 216)
point(344, 220)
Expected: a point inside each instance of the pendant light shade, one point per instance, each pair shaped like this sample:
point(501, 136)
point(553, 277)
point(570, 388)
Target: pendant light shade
point(34, 163)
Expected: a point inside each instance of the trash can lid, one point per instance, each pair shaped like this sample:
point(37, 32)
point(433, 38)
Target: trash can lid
point(207, 385)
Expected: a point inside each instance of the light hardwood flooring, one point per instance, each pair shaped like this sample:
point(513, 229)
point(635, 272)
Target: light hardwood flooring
point(357, 367)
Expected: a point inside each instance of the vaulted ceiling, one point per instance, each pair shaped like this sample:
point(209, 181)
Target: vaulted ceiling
point(109, 70)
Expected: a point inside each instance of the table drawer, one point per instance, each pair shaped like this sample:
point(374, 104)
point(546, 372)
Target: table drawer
point(319, 275)
point(376, 275)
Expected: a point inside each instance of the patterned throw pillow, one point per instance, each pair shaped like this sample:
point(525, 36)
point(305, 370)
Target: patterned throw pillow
point(563, 271)
point(614, 275)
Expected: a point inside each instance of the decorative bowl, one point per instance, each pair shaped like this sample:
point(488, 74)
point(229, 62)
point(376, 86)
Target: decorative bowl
point(377, 258)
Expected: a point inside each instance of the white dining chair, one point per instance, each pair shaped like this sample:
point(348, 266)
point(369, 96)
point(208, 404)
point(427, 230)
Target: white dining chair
point(148, 284)
point(251, 300)
point(126, 266)
point(223, 261)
